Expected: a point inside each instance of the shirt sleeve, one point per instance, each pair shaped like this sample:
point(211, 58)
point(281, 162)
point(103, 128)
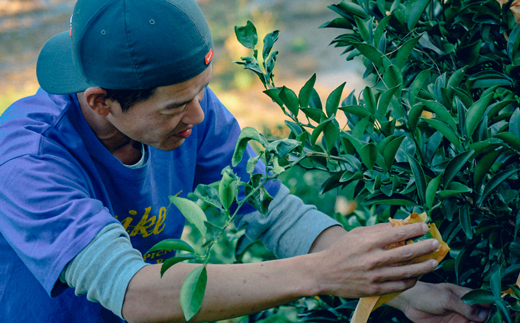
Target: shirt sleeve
point(290, 227)
point(104, 268)
point(48, 214)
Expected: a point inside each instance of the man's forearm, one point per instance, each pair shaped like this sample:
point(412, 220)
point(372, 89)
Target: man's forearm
point(239, 289)
point(231, 291)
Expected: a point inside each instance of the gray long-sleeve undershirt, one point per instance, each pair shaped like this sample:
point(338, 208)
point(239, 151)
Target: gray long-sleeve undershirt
point(104, 268)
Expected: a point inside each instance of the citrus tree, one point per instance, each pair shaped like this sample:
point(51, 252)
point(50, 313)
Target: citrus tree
point(437, 131)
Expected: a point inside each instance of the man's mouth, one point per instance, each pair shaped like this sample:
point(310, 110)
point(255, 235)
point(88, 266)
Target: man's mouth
point(184, 134)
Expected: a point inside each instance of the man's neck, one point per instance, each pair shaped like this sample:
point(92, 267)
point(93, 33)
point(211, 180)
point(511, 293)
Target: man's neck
point(128, 151)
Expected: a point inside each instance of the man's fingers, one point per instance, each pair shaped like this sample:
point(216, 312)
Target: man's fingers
point(401, 233)
point(389, 287)
point(404, 272)
point(373, 228)
point(409, 252)
point(475, 313)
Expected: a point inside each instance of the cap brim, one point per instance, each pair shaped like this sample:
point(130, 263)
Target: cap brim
point(55, 69)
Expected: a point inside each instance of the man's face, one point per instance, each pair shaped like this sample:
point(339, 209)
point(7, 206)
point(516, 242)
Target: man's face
point(165, 120)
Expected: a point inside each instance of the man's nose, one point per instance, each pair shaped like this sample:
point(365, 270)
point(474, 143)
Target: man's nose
point(194, 113)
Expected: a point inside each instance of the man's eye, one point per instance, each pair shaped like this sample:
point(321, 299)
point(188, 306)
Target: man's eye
point(175, 111)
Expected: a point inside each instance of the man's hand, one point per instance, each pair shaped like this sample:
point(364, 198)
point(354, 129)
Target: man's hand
point(439, 303)
point(358, 265)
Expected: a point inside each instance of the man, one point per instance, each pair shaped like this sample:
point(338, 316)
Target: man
point(87, 171)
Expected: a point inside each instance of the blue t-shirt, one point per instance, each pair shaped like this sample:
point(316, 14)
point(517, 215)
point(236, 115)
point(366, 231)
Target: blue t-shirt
point(60, 186)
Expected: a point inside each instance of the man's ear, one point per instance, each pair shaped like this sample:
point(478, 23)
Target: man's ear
point(95, 97)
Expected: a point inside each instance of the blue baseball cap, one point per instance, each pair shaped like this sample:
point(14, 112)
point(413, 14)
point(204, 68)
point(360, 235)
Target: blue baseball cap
point(126, 45)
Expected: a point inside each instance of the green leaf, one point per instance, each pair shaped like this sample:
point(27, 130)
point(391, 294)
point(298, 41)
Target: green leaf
point(306, 91)
point(463, 97)
point(483, 166)
point(261, 199)
point(420, 179)
point(368, 155)
point(330, 133)
point(454, 189)
point(356, 110)
point(441, 112)
point(510, 139)
point(358, 144)
point(479, 296)
point(337, 23)
point(514, 123)
point(363, 29)
point(353, 8)
point(454, 81)
point(391, 150)
point(485, 146)
point(495, 284)
point(207, 194)
point(174, 260)
point(370, 100)
point(315, 101)
point(247, 35)
point(314, 114)
point(331, 107)
point(277, 169)
point(475, 113)
point(395, 199)
point(282, 147)
point(417, 85)
point(319, 129)
point(269, 41)
point(495, 108)
point(494, 182)
point(465, 220)
point(381, 29)
point(245, 136)
point(370, 52)
point(191, 211)
point(172, 244)
point(251, 164)
point(359, 129)
point(445, 130)
point(192, 292)
point(226, 190)
point(274, 95)
point(290, 100)
point(455, 165)
point(405, 51)
point(431, 191)
point(384, 101)
point(513, 42)
point(414, 115)
point(394, 78)
point(502, 308)
point(350, 176)
point(383, 143)
point(415, 9)
point(461, 260)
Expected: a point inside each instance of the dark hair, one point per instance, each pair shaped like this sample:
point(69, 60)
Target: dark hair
point(127, 98)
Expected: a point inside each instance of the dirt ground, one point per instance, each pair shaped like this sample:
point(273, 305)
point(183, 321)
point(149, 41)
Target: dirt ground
point(25, 25)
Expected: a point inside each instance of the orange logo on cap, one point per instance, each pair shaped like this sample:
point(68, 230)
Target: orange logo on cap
point(209, 56)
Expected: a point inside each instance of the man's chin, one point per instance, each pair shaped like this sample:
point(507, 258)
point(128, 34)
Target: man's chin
point(169, 145)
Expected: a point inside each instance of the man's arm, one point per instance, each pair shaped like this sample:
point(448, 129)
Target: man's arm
point(234, 290)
